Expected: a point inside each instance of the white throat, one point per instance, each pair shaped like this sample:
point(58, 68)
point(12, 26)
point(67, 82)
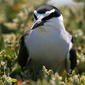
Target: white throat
point(55, 23)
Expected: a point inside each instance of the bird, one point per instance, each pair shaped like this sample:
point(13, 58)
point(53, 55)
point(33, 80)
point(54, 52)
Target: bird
point(47, 43)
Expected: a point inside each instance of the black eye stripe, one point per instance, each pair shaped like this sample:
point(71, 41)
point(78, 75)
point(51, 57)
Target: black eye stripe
point(54, 14)
point(35, 16)
point(43, 9)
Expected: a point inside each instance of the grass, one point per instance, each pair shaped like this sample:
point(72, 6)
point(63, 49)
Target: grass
point(13, 23)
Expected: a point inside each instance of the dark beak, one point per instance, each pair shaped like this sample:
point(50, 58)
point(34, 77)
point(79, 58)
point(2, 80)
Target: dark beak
point(39, 22)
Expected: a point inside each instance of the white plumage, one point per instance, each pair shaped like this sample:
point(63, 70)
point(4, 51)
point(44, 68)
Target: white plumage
point(49, 45)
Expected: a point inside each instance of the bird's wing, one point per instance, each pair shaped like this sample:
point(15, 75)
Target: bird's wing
point(73, 56)
point(71, 60)
point(23, 52)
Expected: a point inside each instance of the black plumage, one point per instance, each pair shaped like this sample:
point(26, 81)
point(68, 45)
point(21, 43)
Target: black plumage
point(73, 58)
point(23, 54)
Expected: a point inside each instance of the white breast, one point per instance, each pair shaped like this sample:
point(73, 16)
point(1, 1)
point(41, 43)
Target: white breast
point(47, 47)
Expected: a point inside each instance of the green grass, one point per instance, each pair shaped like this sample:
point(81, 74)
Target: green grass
point(13, 26)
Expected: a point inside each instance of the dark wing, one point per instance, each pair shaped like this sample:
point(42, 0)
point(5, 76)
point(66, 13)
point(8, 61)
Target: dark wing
point(73, 56)
point(23, 53)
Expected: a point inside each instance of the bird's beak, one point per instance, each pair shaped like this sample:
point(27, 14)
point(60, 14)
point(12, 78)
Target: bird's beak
point(37, 23)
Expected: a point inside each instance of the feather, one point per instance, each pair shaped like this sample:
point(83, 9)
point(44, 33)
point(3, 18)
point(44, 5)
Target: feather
point(23, 53)
point(73, 58)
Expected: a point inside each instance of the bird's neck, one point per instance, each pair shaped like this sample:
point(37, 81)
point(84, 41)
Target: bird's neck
point(55, 24)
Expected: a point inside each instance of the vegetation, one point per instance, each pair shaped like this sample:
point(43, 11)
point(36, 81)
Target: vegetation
point(15, 18)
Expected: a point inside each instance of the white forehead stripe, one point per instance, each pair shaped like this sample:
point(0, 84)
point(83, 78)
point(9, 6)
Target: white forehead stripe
point(51, 11)
point(45, 14)
point(35, 12)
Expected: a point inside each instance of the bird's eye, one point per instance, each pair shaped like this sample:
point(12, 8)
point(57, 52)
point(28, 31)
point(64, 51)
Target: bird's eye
point(35, 17)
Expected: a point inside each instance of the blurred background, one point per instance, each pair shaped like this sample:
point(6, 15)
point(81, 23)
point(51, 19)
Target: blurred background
point(16, 16)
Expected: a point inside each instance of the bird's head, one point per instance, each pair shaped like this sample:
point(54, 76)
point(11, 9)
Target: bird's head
point(45, 13)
